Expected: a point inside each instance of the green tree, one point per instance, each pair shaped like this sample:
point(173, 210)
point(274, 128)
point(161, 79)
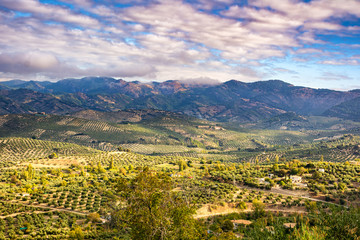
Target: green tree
point(82, 172)
point(100, 168)
point(342, 224)
point(112, 165)
point(93, 217)
point(227, 225)
point(275, 168)
point(29, 173)
point(342, 186)
point(77, 233)
point(53, 155)
point(276, 159)
point(242, 205)
point(182, 165)
point(258, 208)
point(152, 211)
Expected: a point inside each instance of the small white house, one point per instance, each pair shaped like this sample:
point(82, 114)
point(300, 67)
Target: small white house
point(262, 181)
point(321, 170)
point(174, 175)
point(295, 179)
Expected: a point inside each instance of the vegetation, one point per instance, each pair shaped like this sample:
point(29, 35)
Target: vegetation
point(200, 184)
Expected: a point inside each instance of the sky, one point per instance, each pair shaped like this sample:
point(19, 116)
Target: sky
point(307, 43)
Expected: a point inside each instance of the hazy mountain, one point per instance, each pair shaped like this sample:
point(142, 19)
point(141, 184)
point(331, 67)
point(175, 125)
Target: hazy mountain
point(33, 85)
point(278, 94)
point(229, 101)
point(28, 101)
point(348, 110)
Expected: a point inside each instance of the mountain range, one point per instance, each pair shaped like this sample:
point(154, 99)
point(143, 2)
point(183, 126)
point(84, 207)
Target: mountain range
point(232, 101)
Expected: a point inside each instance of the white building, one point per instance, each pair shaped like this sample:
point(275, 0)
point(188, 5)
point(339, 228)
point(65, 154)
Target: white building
point(295, 179)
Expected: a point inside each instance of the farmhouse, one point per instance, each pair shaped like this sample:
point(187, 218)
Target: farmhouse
point(174, 175)
point(295, 179)
point(262, 181)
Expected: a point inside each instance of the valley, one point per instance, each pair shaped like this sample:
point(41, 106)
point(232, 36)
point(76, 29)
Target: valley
point(62, 175)
point(100, 158)
point(179, 120)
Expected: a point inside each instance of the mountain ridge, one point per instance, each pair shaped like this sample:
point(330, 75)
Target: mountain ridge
point(233, 100)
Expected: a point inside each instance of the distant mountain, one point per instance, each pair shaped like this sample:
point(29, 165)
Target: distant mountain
point(33, 85)
point(281, 95)
point(103, 85)
point(230, 101)
point(13, 83)
point(28, 101)
point(347, 110)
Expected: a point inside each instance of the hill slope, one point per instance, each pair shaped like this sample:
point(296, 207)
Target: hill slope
point(348, 110)
point(138, 129)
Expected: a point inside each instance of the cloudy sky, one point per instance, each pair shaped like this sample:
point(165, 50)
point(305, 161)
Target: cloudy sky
point(310, 43)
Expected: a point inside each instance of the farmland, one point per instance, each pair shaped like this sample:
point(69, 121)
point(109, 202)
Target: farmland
point(66, 177)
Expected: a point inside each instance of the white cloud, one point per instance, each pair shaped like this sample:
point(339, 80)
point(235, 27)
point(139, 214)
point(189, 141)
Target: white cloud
point(30, 62)
point(200, 80)
point(331, 76)
point(341, 62)
point(49, 12)
point(167, 39)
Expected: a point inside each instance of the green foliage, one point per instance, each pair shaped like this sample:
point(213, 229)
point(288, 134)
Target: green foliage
point(150, 203)
point(53, 155)
point(152, 211)
point(227, 225)
point(342, 224)
point(258, 208)
point(77, 233)
point(306, 232)
point(112, 165)
point(242, 205)
point(182, 165)
point(93, 217)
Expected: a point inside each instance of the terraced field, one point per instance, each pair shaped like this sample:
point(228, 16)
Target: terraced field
point(18, 150)
point(177, 134)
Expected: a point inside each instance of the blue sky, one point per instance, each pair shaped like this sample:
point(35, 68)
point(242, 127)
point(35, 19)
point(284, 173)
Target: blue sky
point(309, 43)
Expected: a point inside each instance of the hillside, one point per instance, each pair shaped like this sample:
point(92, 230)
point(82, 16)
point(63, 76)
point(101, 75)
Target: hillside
point(29, 101)
point(232, 101)
point(157, 132)
point(347, 110)
point(131, 115)
point(19, 150)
